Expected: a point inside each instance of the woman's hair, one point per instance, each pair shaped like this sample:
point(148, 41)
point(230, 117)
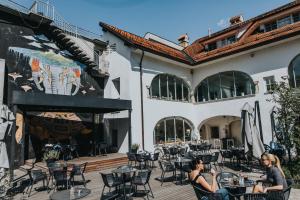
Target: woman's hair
point(195, 162)
point(275, 161)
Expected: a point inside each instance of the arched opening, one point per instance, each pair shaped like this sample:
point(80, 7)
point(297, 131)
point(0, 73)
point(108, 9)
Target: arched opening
point(222, 128)
point(173, 129)
point(224, 85)
point(169, 87)
point(294, 72)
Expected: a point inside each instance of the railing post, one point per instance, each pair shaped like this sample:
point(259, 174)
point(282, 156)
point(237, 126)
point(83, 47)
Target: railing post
point(53, 13)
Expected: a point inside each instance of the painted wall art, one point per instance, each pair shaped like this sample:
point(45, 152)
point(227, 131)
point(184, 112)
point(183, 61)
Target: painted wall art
point(36, 64)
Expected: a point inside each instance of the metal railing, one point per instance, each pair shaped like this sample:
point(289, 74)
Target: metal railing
point(46, 10)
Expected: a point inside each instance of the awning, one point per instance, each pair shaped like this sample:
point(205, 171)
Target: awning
point(64, 103)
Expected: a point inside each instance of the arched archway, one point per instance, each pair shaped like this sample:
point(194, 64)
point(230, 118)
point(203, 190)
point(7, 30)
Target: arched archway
point(221, 127)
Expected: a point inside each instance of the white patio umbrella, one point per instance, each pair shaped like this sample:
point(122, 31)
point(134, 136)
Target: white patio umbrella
point(250, 131)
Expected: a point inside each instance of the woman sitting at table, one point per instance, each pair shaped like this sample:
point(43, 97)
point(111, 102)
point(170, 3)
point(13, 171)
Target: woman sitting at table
point(275, 175)
point(199, 180)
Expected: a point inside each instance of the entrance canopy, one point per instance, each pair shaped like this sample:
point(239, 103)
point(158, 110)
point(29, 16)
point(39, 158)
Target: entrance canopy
point(63, 103)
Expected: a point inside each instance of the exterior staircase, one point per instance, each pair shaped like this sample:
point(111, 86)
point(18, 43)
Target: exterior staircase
point(69, 37)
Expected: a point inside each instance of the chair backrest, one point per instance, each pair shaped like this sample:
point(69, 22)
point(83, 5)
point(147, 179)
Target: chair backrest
point(206, 159)
point(173, 150)
point(36, 174)
point(131, 156)
point(279, 194)
point(215, 157)
point(202, 194)
point(108, 179)
point(155, 156)
point(60, 175)
point(255, 196)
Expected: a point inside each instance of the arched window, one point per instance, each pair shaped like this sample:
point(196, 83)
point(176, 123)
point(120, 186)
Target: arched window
point(173, 129)
point(169, 87)
point(294, 72)
point(224, 85)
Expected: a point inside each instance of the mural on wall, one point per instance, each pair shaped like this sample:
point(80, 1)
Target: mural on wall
point(35, 64)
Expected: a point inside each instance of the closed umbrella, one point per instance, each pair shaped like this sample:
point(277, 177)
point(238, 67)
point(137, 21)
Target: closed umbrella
point(250, 132)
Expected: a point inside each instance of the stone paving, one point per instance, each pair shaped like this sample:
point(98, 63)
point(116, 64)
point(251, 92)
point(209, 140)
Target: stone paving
point(169, 190)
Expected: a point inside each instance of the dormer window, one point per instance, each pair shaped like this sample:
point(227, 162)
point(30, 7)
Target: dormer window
point(296, 17)
point(270, 26)
point(231, 39)
point(211, 46)
point(284, 21)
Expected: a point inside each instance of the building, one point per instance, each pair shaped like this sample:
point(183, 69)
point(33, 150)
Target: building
point(181, 91)
point(52, 80)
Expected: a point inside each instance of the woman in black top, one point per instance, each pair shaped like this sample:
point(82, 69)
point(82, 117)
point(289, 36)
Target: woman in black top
point(275, 175)
point(199, 180)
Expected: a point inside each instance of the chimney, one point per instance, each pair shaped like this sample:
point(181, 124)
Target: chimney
point(183, 40)
point(236, 19)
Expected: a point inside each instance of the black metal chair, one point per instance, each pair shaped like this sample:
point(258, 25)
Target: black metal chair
point(206, 159)
point(152, 158)
point(255, 196)
point(110, 181)
point(166, 155)
point(182, 151)
point(36, 176)
point(141, 159)
point(222, 176)
point(142, 179)
point(226, 154)
point(202, 194)
point(131, 158)
point(61, 179)
point(207, 148)
point(279, 194)
point(173, 151)
point(51, 168)
point(165, 168)
point(214, 159)
point(78, 170)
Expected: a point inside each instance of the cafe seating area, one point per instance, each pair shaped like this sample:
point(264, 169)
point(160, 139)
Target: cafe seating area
point(157, 174)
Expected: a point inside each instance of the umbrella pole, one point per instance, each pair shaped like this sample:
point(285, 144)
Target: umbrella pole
point(259, 120)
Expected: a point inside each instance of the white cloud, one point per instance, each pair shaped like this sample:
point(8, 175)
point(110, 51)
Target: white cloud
point(223, 23)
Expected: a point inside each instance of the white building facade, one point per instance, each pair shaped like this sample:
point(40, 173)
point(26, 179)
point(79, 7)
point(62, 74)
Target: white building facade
point(166, 103)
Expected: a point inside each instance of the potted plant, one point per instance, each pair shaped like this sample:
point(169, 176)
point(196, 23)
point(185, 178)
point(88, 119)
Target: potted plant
point(51, 156)
point(135, 147)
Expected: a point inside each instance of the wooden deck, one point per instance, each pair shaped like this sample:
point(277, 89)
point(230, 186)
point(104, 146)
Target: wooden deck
point(169, 190)
point(95, 163)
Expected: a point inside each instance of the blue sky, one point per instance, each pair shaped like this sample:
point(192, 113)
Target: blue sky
point(166, 18)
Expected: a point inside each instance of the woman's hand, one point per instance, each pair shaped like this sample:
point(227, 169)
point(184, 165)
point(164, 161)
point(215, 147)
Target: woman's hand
point(265, 190)
point(212, 172)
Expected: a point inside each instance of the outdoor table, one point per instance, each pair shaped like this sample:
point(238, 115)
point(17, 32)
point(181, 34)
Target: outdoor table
point(66, 194)
point(123, 171)
point(181, 161)
point(237, 190)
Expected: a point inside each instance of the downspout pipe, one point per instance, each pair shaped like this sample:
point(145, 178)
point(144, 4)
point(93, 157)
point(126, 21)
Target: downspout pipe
point(142, 100)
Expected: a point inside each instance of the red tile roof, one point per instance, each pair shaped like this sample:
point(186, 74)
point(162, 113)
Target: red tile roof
point(196, 54)
point(148, 45)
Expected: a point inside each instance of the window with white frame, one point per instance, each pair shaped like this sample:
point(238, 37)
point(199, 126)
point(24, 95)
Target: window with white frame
point(224, 85)
point(269, 83)
point(172, 129)
point(169, 87)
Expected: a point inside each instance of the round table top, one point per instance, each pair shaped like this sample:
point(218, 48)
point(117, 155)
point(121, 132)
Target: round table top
point(123, 170)
point(66, 194)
